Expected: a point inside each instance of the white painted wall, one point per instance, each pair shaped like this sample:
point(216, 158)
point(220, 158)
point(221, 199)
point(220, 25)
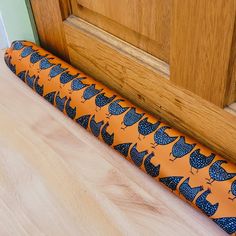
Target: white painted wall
point(4, 40)
point(16, 22)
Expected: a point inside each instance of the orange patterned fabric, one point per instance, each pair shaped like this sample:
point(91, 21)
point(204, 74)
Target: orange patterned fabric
point(193, 172)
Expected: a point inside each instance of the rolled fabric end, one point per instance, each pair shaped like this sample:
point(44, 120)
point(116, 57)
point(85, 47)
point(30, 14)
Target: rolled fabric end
point(190, 170)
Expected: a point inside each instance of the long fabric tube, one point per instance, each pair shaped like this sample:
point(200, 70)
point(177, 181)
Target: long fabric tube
point(193, 172)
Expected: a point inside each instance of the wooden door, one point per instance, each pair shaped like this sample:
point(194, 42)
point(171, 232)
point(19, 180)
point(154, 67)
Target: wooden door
point(174, 58)
point(146, 26)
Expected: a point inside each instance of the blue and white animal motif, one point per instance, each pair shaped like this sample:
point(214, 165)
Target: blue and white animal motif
point(233, 190)
point(22, 75)
point(90, 92)
point(131, 117)
point(188, 191)
point(66, 77)
point(228, 224)
point(205, 206)
point(30, 80)
point(123, 148)
point(218, 173)
point(101, 100)
point(181, 148)
point(116, 109)
point(108, 138)
point(162, 138)
point(13, 68)
point(77, 84)
point(171, 181)
point(8, 61)
point(45, 64)
point(199, 161)
point(36, 57)
point(95, 126)
point(151, 169)
point(26, 52)
point(17, 45)
point(55, 71)
point(37, 87)
point(50, 97)
point(145, 127)
point(60, 102)
point(83, 121)
point(71, 112)
point(137, 156)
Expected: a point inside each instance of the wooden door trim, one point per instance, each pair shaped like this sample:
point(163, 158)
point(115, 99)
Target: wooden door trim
point(132, 78)
point(232, 70)
point(125, 48)
point(66, 8)
point(48, 15)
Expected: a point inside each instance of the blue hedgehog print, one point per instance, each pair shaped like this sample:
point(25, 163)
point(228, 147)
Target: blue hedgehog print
point(218, 173)
point(101, 100)
point(55, 71)
point(50, 97)
point(37, 87)
point(171, 181)
point(123, 148)
point(8, 60)
point(204, 205)
point(66, 77)
point(107, 138)
point(45, 64)
point(115, 108)
point(36, 57)
point(83, 121)
point(233, 190)
point(71, 112)
point(21, 75)
point(60, 102)
point(162, 138)
point(77, 84)
point(26, 52)
point(30, 80)
point(90, 92)
point(228, 224)
point(199, 161)
point(131, 117)
point(145, 128)
point(189, 192)
point(151, 169)
point(136, 156)
point(17, 45)
point(12, 68)
point(95, 126)
point(181, 148)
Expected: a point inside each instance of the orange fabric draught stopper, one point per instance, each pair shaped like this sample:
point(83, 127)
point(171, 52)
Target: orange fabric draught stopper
point(193, 172)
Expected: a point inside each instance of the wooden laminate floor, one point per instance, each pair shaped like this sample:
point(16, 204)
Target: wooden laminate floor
point(57, 179)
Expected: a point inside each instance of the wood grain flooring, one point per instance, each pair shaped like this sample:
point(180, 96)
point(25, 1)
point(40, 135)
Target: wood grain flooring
point(57, 179)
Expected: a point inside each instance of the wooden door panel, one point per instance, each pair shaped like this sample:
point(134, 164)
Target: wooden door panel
point(146, 26)
point(201, 54)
